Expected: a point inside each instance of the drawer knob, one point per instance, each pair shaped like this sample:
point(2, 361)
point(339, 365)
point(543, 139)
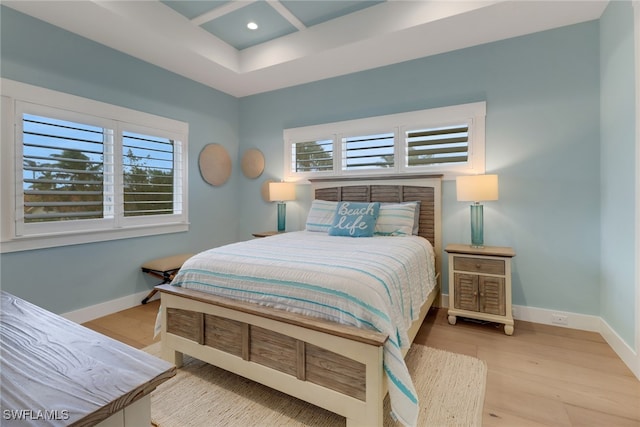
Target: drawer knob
point(478, 265)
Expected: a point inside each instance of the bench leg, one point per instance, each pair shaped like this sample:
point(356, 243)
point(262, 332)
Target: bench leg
point(148, 297)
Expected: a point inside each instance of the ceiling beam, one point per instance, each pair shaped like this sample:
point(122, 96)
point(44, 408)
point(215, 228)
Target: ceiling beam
point(286, 14)
point(221, 11)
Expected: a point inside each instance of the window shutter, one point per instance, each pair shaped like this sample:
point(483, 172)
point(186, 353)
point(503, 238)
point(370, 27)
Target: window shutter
point(368, 151)
point(73, 159)
point(432, 146)
point(445, 140)
point(148, 174)
point(312, 156)
point(63, 170)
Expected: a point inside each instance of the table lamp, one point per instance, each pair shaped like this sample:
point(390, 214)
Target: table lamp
point(281, 192)
point(476, 189)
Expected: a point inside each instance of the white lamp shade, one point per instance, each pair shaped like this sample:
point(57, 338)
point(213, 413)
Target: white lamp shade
point(477, 188)
point(282, 191)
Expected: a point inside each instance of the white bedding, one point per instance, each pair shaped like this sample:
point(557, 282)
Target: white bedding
point(378, 283)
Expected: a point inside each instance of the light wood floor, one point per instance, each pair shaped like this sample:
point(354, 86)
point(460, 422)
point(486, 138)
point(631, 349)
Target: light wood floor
point(540, 376)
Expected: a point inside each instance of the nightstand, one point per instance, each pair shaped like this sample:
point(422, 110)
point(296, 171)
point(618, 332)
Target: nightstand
point(266, 233)
point(480, 284)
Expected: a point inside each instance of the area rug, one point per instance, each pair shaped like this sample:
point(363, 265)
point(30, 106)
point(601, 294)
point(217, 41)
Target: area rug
point(451, 388)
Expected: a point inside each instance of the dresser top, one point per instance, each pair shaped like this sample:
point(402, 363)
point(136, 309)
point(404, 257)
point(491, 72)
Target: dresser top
point(52, 364)
point(485, 250)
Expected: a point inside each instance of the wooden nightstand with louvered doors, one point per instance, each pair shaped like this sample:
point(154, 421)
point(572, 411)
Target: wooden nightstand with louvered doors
point(480, 284)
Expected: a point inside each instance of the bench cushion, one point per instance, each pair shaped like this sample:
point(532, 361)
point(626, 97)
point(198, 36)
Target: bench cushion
point(169, 263)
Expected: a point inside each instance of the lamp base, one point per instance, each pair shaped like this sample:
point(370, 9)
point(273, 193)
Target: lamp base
point(477, 233)
point(282, 216)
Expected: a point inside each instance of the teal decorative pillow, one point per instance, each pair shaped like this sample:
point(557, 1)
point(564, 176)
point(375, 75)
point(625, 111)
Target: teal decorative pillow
point(397, 219)
point(355, 219)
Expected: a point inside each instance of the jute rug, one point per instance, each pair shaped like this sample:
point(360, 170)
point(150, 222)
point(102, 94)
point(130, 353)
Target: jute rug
point(451, 389)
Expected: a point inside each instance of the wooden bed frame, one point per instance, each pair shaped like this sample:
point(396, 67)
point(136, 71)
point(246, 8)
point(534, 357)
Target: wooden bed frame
point(333, 366)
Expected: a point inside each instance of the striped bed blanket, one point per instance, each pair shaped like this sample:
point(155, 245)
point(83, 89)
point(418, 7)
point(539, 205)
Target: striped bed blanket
point(377, 283)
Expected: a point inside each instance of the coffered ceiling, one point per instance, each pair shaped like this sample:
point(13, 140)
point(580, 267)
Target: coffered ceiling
point(297, 41)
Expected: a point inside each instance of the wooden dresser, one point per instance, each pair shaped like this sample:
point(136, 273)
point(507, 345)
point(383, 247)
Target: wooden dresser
point(480, 284)
point(57, 373)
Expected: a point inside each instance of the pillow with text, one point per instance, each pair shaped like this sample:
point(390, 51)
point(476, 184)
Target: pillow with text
point(355, 219)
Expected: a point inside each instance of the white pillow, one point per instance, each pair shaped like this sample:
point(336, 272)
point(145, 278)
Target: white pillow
point(321, 215)
point(397, 219)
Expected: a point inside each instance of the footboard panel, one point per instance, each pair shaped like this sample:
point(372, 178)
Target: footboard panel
point(225, 334)
point(274, 350)
point(336, 372)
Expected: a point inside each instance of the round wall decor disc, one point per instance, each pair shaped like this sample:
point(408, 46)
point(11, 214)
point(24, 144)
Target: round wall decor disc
point(215, 164)
point(252, 163)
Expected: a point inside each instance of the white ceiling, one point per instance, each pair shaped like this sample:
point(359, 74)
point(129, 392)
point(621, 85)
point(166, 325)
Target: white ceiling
point(199, 39)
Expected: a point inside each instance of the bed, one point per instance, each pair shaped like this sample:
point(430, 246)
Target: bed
point(340, 360)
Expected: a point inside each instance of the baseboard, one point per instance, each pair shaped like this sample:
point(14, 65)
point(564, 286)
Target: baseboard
point(621, 348)
point(582, 322)
point(109, 307)
point(544, 316)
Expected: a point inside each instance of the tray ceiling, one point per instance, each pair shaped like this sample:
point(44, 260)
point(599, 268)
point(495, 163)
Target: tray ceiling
point(297, 41)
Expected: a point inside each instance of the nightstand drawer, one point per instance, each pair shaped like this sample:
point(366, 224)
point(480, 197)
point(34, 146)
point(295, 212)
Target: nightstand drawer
point(478, 265)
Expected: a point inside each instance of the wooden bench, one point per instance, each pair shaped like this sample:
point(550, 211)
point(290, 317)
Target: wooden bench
point(163, 268)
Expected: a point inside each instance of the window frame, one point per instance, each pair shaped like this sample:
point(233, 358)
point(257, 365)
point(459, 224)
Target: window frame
point(472, 114)
point(15, 235)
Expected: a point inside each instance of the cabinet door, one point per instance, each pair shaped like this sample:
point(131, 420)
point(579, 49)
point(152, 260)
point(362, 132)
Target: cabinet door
point(465, 291)
point(492, 295)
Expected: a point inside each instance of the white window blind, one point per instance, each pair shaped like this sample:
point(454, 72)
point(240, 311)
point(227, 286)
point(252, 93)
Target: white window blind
point(438, 145)
point(63, 170)
point(101, 174)
point(373, 151)
point(445, 140)
point(148, 174)
point(312, 156)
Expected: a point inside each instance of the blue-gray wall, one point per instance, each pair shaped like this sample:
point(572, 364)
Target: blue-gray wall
point(617, 169)
point(547, 138)
point(72, 277)
point(542, 138)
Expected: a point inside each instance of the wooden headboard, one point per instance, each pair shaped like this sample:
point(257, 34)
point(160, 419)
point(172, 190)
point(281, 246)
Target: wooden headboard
point(388, 193)
point(395, 189)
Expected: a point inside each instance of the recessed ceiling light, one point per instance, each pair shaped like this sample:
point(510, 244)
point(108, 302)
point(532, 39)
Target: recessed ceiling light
point(252, 26)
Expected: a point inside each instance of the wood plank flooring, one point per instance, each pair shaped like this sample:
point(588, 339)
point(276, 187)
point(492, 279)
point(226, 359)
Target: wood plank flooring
point(133, 326)
point(541, 376)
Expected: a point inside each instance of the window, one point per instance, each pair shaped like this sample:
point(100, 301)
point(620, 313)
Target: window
point(447, 140)
point(103, 173)
point(364, 152)
point(150, 175)
point(440, 145)
point(63, 170)
point(312, 156)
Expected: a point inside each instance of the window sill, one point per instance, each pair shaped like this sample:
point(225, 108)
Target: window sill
point(56, 240)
